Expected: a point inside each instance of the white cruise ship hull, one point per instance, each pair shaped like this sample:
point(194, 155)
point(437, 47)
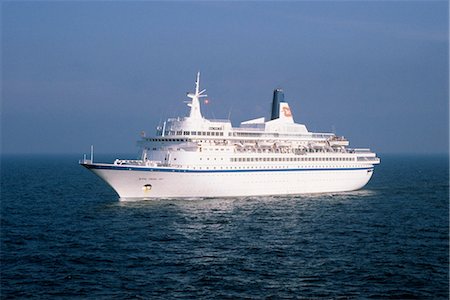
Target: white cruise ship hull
point(151, 183)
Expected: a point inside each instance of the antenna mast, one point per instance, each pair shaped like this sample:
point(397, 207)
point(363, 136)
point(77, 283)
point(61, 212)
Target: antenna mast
point(195, 112)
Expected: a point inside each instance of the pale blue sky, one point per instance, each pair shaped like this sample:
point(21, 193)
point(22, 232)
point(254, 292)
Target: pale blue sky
point(82, 73)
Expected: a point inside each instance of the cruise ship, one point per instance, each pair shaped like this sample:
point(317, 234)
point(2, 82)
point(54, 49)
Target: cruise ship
point(195, 157)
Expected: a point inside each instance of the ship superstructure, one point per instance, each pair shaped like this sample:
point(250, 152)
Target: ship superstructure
point(195, 157)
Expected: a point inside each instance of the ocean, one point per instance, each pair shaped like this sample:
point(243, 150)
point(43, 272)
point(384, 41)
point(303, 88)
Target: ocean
point(64, 234)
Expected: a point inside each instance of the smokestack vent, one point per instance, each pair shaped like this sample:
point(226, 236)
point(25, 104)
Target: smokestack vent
point(278, 97)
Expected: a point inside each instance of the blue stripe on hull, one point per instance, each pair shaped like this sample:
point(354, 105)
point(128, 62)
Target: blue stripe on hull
point(127, 168)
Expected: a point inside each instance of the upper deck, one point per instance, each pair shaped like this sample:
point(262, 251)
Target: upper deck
point(279, 136)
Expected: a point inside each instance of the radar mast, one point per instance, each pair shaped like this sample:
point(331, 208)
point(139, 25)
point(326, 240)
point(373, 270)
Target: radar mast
point(195, 112)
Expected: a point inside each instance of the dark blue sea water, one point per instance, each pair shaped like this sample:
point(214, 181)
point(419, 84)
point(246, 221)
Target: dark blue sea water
point(64, 234)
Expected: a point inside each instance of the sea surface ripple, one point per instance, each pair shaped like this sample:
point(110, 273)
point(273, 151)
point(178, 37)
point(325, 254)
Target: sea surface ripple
point(64, 234)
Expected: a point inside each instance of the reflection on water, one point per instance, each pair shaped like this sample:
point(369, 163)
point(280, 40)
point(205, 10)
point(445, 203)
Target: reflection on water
point(230, 203)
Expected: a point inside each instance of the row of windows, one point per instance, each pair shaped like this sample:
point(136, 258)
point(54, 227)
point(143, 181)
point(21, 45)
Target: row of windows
point(214, 149)
point(262, 167)
point(243, 134)
point(206, 133)
point(212, 133)
point(220, 133)
point(167, 140)
point(367, 158)
point(178, 149)
point(216, 142)
point(256, 159)
point(241, 159)
point(215, 158)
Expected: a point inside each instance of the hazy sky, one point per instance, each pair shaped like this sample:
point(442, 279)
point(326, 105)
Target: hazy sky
point(82, 73)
